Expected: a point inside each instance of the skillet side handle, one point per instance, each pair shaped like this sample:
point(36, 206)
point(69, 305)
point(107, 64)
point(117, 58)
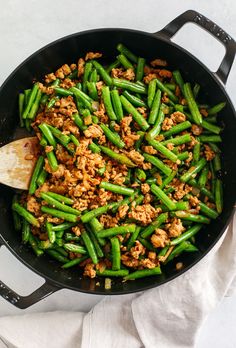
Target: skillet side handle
point(192, 16)
point(23, 302)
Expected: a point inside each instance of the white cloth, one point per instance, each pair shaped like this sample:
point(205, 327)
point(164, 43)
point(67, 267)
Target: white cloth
point(169, 316)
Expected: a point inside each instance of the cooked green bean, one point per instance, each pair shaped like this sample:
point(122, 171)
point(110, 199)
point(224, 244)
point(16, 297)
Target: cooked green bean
point(25, 214)
point(179, 80)
point(37, 169)
point(217, 162)
point(166, 90)
point(133, 237)
point(184, 246)
point(143, 273)
point(177, 129)
point(32, 97)
point(196, 90)
point(60, 198)
point(94, 147)
point(111, 273)
point(107, 102)
point(34, 108)
point(42, 177)
point(116, 188)
point(34, 245)
point(60, 214)
point(215, 109)
point(113, 231)
point(157, 163)
point(203, 177)
point(140, 69)
point(210, 138)
point(75, 248)
point(211, 127)
point(197, 117)
point(121, 158)
point(196, 151)
point(155, 107)
point(162, 196)
point(57, 204)
point(79, 122)
point(90, 247)
point(113, 65)
point(52, 160)
point(168, 179)
point(130, 86)
point(182, 139)
point(74, 140)
point(105, 76)
point(57, 256)
point(191, 217)
point(87, 71)
point(124, 50)
point(219, 196)
point(134, 112)
point(113, 137)
point(154, 225)
point(51, 233)
point(135, 101)
point(92, 90)
point(193, 170)
point(211, 213)
point(48, 134)
point(62, 227)
point(115, 97)
point(115, 251)
point(186, 235)
point(96, 212)
point(25, 231)
point(162, 149)
point(64, 139)
point(21, 108)
point(74, 262)
point(157, 126)
point(124, 61)
point(151, 92)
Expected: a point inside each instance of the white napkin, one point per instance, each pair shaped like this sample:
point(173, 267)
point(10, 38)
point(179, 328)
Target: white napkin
point(169, 316)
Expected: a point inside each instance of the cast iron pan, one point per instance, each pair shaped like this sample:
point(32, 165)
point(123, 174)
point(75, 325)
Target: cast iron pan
point(67, 50)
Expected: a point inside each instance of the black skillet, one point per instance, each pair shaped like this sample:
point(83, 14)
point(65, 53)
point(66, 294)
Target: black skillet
point(68, 49)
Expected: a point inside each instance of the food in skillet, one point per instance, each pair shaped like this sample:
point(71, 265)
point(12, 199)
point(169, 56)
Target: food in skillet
point(129, 169)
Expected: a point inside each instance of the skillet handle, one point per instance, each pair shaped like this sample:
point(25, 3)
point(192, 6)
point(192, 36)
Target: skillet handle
point(193, 16)
point(23, 302)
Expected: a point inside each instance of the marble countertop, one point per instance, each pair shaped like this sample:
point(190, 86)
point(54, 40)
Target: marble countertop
point(25, 26)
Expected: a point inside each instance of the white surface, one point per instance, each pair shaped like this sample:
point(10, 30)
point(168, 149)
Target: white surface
point(26, 26)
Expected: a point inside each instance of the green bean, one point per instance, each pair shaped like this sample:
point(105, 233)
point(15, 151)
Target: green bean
point(184, 246)
point(57, 204)
point(217, 162)
point(52, 160)
point(211, 127)
point(38, 167)
point(196, 151)
point(124, 201)
point(162, 196)
point(121, 190)
point(64, 139)
point(20, 108)
point(105, 76)
point(140, 174)
point(111, 273)
point(55, 83)
point(32, 97)
point(217, 108)
point(163, 251)
point(60, 214)
point(34, 245)
point(117, 104)
point(93, 76)
point(133, 237)
point(197, 117)
point(113, 65)
point(48, 134)
point(162, 149)
point(171, 86)
point(57, 256)
point(191, 217)
point(186, 235)
point(51, 233)
point(74, 140)
point(25, 214)
point(71, 237)
point(151, 181)
point(115, 251)
point(139, 142)
point(60, 198)
point(193, 170)
point(125, 51)
point(113, 231)
point(134, 112)
point(125, 62)
point(155, 108)
point(94, 147)
point(180, 205)
point(16, 217)
point(166, 90)
point(75, 248)
point(85, 99)
point(121, 158)
point(42, 177)
point(90, 247)
point(177, 129)
point(25, 231)
point(154, 225)
point(211, 213)
point(140, 69)
point(79, 122)
point(139, 200)
point(27, 95)
point(157, 126)
point(45, 244)
point(203, 177)
point(210, 138)
point(96, 226)
point(35, 105)
point(92, 90)
point(135, 101)
point(157, 163)
point(212, 119)
point(107, 102)
point(62, 227)
point(182, 139)
point(62, 91)
point(196, 90)
point(143, 273)
point(51, 102)
point(183, 156)
point(113, 137)
point(73, 74)
point(74, 262)
point(179, 80)
point(151, 92)
point(130, 86)
point(146, 243)
point(219, 196)
point(87, 71)
point(168, 179)
point(95, 242)
point(86, 217)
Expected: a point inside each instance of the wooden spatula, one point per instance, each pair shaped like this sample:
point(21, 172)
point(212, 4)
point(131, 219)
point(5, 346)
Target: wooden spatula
point(17, 161)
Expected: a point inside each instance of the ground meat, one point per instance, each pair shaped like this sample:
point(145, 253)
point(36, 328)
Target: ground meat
point(129, 74)
point(143, 213)
point(63, 71)
point(165, 73)
point(89, 270)
point(50, 78)
point(175, 228)
point(204, 112)
point(137, 250)
point(149, 149)
point(196, 130)
point(93, 131)
point(108, 220)
point(178, 117)
point(76, 230)
point(129, 261)
point(122, 211)
point(147, 198)
point(167, 124)
point(209, 153)
point(145, 188)
point(181, 189)
point(147, 263)
point(150, 77)
point(92, 55)
point(194, 201)
point(158, 62)
point(160, 238)
point(33, 206)
point(136, 157)
point(59, 172)
point(130, 139)
point(170, 146)
point(67, 83)
point(81, 64)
